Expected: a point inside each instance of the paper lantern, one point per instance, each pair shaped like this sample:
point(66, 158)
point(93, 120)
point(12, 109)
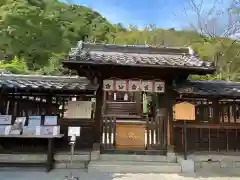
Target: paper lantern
point(134, 85)
point(159, 86)
point(147, 86)
point(121, 85)
point(108, 85)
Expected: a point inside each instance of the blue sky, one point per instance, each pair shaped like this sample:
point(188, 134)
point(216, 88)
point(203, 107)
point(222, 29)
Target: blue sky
point(162, 13)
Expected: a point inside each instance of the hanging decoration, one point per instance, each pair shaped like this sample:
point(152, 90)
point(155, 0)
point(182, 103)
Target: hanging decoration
point(134, 85)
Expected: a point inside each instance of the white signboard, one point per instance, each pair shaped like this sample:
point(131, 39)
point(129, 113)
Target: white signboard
point(134, 85)
point(5, 119)
point(50, 120)
point(34, 121)
point(108, 85)
point(47, 130)
point(159, 87)
point(147, 86)
point(121, 85)
point(79, 109)
point(74, 131)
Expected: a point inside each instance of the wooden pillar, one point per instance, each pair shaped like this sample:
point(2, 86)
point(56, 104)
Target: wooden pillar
point(98, 112)
point(49, 105)
point(138, 102)
point(14, 110)
point(215, 106)
point(169, 117)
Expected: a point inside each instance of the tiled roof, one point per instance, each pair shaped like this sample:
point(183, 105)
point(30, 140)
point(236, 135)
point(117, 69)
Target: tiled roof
point(35, 82)
point(210, 88)
point(137, 55)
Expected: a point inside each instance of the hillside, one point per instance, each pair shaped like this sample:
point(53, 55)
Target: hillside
point(40, 32)
point(39, 29)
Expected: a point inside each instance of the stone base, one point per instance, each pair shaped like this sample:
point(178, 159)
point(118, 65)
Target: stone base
point(171, 157)
point(95, 155)
point(186, 165)
point(215, 161)
point(23, 157)
point(80, 160)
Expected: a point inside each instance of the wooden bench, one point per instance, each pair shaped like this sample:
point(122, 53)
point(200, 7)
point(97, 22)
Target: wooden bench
point(49, 162)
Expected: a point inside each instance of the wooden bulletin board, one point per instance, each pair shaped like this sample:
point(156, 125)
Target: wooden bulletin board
point(184, 111)
point(78, 109)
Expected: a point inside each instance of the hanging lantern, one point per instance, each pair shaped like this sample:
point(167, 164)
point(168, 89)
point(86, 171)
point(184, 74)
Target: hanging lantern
point(121, 85)
point(147, 86)
point(159, 86)
point(134, 85)
point(108, 85)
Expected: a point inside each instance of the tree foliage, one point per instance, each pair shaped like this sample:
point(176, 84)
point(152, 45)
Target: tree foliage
point(35, 29)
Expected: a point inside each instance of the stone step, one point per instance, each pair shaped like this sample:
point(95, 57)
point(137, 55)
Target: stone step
point(23, 157)
point(133, 167)
point(68, 165)
point(131, 157)
point(76, 157)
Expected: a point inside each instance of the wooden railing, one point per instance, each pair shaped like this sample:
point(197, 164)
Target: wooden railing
point(207, 137)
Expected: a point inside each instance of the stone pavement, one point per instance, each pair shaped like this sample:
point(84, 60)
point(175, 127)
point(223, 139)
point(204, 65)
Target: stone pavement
point(16, 174)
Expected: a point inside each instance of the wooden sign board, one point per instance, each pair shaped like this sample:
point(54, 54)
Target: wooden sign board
point(184, 111)
point(79, 109)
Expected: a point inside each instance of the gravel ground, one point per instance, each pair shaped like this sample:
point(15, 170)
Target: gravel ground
point(16, 174)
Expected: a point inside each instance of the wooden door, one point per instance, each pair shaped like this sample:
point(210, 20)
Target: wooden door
point(130, 136)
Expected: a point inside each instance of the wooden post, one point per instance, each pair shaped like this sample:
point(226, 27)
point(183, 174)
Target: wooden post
point(185, 139)
point(138, 102)
point(98, 112)
point(169, 117)
point(49, 105)
point(216, 109)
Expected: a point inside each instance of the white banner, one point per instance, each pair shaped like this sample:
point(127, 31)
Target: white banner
point(134, 85)
point(108, 85)
point(121, 85)
point(159, 87)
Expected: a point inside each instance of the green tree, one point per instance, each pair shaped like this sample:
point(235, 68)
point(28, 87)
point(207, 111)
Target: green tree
point(16, 66)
